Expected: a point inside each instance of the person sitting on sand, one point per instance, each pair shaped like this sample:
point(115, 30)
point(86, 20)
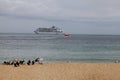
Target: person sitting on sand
point(37, 59)
point(33, 62)
point(16, 63)
point(4, 62)
point(29, 62)
point(11, 62)
point(22, 61)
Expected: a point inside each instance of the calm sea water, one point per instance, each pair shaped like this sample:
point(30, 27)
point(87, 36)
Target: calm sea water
point(89, 48)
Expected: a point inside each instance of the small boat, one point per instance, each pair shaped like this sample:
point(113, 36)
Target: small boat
point(66, 35)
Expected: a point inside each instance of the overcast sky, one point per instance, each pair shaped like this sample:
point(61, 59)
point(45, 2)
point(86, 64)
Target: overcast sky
point(73, 16)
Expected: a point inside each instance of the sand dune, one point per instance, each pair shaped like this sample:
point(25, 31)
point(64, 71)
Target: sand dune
point(62, 71)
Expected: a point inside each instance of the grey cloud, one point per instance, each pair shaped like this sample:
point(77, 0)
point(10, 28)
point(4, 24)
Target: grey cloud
point(87, 16)
point(61, 8)
point(27, 7)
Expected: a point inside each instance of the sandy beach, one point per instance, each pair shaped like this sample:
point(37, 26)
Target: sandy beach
point(61, 71)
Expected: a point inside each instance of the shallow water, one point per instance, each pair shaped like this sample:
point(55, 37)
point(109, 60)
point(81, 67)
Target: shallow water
point(89, 48)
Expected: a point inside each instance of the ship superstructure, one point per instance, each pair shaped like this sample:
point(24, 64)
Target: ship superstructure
point(51, 30)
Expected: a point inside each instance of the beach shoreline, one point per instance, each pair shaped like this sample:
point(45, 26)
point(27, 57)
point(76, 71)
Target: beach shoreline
point(61, 71)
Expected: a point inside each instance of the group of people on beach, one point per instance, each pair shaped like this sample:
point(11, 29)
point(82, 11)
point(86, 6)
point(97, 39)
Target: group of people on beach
point(16, 62)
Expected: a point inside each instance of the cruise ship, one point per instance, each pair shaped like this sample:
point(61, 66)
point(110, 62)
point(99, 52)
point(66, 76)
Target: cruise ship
point(51, 30)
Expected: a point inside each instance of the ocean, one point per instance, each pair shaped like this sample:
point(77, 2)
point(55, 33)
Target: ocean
point(53, 48)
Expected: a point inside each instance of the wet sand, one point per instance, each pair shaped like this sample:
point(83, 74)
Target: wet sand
point(61, 71)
